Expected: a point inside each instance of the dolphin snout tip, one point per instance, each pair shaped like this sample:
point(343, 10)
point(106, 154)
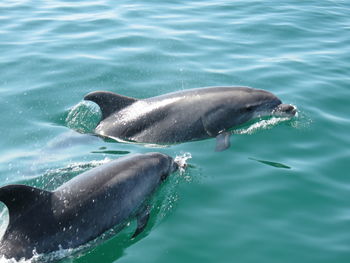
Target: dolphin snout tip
point(286, 109)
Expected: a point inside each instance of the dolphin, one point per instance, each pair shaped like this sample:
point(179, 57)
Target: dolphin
point(84, 207)
point(186, 115)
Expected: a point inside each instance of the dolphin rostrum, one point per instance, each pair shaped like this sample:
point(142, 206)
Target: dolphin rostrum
point(84, 207)
point(182, 116)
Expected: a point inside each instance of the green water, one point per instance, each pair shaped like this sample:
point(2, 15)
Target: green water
point(279, 194)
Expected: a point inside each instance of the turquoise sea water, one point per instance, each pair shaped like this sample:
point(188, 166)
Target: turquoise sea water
point(281, 193)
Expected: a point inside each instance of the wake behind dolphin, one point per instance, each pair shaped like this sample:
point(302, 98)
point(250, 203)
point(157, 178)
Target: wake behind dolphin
point(83, 208)
point(183, 116)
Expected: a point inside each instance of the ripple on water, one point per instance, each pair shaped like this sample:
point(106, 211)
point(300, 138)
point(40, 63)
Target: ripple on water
point(229, 206)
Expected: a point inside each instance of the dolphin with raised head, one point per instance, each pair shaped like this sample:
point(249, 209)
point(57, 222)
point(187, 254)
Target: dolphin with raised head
point(84, 207)
point(186, 115)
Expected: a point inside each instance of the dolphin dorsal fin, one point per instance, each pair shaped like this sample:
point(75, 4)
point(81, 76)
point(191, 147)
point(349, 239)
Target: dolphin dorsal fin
point(109, 102)
point(18, 198)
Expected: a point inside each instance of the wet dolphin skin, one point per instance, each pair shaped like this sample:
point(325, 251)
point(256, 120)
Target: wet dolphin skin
point(182, 116)
point(84, 207)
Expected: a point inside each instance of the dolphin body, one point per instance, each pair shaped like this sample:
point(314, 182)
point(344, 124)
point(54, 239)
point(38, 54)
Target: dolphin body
point(182, 116)
point(84, 207)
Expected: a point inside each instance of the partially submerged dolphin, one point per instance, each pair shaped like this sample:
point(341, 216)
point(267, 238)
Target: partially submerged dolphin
point(182, 116)
point(84, 207)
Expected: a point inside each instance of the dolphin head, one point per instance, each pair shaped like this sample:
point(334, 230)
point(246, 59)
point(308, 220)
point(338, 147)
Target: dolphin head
point(256, 103)
point(166, 164)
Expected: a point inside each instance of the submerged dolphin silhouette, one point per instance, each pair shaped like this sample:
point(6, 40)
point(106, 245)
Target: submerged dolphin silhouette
point(182, 116)
point(84, 207)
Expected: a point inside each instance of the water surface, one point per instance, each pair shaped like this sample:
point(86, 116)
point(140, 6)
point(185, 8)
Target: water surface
point(279, 194)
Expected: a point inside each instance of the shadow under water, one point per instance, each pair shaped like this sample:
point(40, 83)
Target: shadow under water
point(274, 164)
point(111, 152)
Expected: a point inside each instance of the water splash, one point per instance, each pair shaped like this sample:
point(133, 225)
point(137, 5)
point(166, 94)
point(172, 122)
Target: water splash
point(83, 117)
point(12, 260)
point(4, 219)
point(181, 161)
point(261, 125)
point(61, 253)
point(35, 258)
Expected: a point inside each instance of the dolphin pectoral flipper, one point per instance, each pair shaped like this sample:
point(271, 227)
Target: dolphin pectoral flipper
point(222, 141)
point(212, 124)
point(142, 220)
point(212, 121)
point(109, 102)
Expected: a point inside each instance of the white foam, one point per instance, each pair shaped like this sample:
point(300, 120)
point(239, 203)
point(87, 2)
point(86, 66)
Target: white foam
point(261, 125)
point(181, 161)
point(12, 260)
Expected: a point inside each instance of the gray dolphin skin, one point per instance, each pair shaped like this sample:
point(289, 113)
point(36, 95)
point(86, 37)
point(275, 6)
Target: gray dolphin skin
point(84, 207)
point(186, 115)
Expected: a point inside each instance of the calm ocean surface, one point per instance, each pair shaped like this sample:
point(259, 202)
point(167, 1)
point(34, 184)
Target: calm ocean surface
point(281, 193)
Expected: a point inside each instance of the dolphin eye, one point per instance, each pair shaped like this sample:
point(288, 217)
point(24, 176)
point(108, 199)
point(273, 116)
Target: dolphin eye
point(249, 108)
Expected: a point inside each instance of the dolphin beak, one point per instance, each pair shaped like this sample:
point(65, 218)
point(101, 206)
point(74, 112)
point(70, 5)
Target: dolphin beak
point(285, 110)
